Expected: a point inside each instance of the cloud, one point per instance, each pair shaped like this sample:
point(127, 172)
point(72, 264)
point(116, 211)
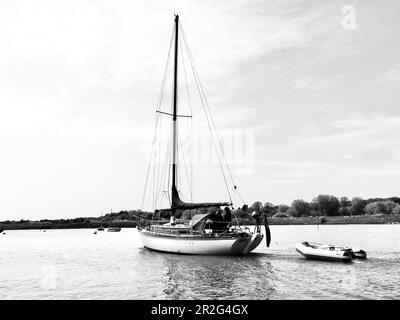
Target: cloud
point(80, 81)
point(311, 83)
point(375, 123)
point(390, 76)
point(349, 145)
point(355, 134)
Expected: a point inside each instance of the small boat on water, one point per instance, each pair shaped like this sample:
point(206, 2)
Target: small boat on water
point(114, 229)
point(317, 251)
point(101, 228)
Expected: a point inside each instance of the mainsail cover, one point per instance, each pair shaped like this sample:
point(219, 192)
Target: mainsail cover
point(177, 203)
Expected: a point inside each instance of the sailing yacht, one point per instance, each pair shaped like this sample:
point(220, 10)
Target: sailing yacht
point(205, 233)
point(101, 228)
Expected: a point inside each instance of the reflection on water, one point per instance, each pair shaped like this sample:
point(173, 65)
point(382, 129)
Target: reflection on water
point(76, 264)
point(217, 277)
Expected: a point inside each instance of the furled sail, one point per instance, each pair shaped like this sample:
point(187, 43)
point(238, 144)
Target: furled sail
point(177, 203)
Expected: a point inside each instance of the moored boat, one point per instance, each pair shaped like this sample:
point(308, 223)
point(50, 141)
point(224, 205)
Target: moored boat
point(114, 229)
point(211, 229)
point(316, 251)
point(195, 238)
point(101, 228)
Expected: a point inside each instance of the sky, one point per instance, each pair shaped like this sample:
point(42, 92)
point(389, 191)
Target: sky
point(313, 85)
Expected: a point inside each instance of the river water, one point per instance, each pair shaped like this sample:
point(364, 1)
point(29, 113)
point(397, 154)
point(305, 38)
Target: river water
point(78, 264)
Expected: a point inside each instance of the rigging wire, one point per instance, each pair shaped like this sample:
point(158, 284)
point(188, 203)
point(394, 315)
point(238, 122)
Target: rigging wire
point(161, 187)
point(210, 113)
point(160, 97)
point(190, 119)
point(184, 162)
point(162, 172)
point(149, 165)
point(205, 104)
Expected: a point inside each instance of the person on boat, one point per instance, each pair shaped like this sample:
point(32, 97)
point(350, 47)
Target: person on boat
point(257, 216)
point(228, 214)
point(227, 218)
point(212, 220)
point(172, 220)
point(219, 220)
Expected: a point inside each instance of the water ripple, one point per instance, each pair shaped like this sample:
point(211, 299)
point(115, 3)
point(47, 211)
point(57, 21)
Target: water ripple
point(76, 264)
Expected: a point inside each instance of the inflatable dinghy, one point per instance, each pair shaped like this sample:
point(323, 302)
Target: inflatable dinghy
point(316, 251)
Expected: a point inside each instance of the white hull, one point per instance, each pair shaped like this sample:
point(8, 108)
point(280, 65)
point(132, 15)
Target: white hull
point(323, 253)
point(202, 246)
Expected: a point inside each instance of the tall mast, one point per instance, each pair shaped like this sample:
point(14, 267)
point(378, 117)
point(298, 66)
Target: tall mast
point(174, 117)
point(176, 202)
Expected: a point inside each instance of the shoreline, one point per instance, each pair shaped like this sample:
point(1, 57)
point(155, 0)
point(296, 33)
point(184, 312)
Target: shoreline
point(364, 219)
point(321, 220)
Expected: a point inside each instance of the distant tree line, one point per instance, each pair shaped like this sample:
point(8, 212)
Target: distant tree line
point(322, 205)
point(131, 215)
point(326, 205)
